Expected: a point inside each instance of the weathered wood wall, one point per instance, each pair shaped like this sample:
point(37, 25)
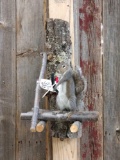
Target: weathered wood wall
point(7, 79)
point(111, 61)
point(30, 41)
point(91, 63)
point(21, 40)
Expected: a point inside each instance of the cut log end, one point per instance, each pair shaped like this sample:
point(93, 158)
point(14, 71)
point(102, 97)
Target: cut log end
point(75, 130)
point(75, 127)
point(40, 126)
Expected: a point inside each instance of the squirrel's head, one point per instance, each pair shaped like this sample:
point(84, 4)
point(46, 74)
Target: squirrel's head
point(63, 67)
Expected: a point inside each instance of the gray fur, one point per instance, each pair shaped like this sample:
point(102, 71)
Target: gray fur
point(74, 85)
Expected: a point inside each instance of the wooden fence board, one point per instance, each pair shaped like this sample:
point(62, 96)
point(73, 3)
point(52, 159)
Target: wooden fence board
point(111, 21)
point(91, 63)
point(7, 80)
point(65, 150)
point(30, 41)
point(30, 28)
point(29, 145)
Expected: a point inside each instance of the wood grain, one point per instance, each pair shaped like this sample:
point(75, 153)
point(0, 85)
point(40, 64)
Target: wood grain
point(67, 147)
point(7, 79)
point(30, 42)
point(59, 9)
point(111, 61)
point(30, 35)
point(91, 63)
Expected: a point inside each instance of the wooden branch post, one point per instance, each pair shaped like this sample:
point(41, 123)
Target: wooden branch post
point(38, 95)
point(67, 10)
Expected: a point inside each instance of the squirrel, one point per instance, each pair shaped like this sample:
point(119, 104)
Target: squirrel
point(66, 98)
point(71, 88)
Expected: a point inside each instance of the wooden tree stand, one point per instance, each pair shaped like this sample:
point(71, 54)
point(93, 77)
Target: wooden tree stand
point(66, 12)
point(74, 119)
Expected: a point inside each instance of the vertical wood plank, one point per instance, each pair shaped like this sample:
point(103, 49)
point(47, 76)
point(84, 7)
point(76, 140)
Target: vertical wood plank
point(30, 42)
point(29, 145)
point(91, 63)
point(7, 79)
point(59, 9)
point(65, 150)
point(63, 9)
point(111, 21)
point(30, 35)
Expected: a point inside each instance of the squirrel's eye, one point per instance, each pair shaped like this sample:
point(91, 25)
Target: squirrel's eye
point(63, 66)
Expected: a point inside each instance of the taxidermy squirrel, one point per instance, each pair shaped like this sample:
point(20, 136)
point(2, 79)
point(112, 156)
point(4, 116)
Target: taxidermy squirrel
point(71, 88)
